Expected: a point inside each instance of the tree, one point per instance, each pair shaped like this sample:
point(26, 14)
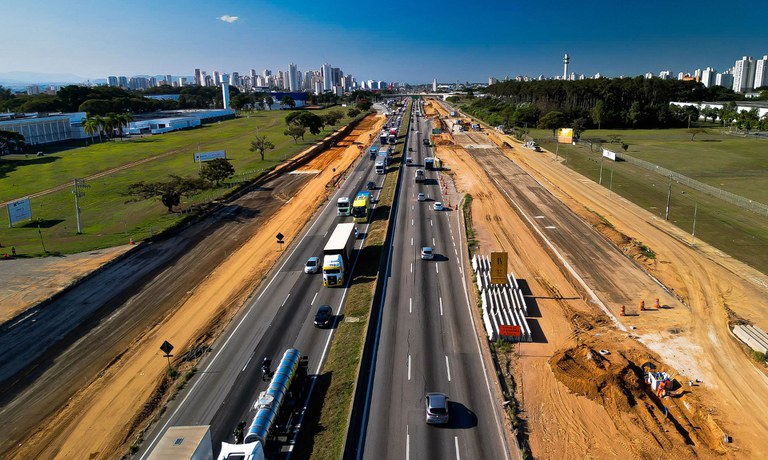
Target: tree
point(553, 120)
point(331, 118)
point(269, 100)
point(11, 141)
point(306, 119)
point(353, 112)
point(694, 131)
point(169, 192)
point(90, 126)
point(295, 131)
point(288, 101)
point(121, 120)
point(261, 144)
point(364, 104)
point(598, 113)
point(217, 170)
point(579, 125)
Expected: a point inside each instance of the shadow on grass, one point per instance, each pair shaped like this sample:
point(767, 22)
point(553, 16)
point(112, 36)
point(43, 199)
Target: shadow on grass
point(311, 425)
point(8, 165)
point(366, 267)
point(380, 213)
point(43, 223)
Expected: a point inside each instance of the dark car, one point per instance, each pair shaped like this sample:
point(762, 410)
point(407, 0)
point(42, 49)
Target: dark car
point(371, 185)
point(323, 316)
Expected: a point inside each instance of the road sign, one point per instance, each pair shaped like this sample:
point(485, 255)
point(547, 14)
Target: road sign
point(510, 331)
point(280, 237)
point(565, 135)
point(166, 347)
point(498, 268)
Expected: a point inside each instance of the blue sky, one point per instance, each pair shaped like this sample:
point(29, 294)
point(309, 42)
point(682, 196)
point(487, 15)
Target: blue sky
point(388, 40)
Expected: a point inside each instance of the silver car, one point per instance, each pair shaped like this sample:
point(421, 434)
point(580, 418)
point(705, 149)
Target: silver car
point(312, 265)
point(437, 408)
point(426, 253)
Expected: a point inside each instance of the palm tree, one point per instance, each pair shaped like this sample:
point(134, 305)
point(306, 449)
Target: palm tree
point(90, 126)
point(101, 124)
point(121, 121)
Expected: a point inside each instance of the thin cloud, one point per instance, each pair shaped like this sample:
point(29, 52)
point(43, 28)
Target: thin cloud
point(229, 19)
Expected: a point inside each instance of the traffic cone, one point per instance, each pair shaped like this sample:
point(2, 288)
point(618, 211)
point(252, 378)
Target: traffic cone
point(623, 312)
point(131, 242)
point(642, 305)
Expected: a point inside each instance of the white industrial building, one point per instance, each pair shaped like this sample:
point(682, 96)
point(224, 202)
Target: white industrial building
point(45, 128)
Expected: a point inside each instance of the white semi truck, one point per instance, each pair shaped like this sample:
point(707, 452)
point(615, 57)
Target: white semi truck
point(343, 206)
point(337, 255)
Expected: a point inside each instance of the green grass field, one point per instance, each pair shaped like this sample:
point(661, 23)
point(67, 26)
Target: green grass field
point(109, 217)
point(735, 164)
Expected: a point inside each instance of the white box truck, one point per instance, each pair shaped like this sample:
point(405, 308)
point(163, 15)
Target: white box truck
point(337, 255)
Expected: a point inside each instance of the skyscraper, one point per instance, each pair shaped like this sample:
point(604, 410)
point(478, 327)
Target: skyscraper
point(724, 79)
point(112, 81)
point(761, 72)
point(744, 75)
point(708, 77)
point(434, 85)
point(293, 77)
point(566, 60)
point(327, 78)
point(198, 77)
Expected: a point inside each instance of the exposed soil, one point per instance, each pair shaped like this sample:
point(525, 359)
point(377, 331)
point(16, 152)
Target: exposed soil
point(576, 402)
point(102, 418)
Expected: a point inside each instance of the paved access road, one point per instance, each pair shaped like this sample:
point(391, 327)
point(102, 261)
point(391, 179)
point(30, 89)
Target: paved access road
point(427, 341)
point(278, 316)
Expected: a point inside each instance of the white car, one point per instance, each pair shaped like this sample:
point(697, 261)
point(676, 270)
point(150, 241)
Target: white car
point(312, 265)
point(421, 197)
point(438, 206)
point(426, 253)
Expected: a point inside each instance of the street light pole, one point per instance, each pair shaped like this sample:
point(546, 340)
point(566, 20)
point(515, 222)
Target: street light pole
point(669, 198)
point(693, 230)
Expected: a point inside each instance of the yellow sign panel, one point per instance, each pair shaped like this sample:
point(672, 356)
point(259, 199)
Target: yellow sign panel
point(565, 135)
point(498, 268)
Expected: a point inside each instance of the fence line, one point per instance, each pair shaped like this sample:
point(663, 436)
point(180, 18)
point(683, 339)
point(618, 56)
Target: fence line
point(736, 200)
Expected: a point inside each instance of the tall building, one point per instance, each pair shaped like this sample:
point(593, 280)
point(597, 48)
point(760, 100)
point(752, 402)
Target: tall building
point(327, 77)
point(122, 81)
point(665, 74)
point(198, 77)
point(33, 90)
point(293, 77)
point(566, 60)
point(708, 77)
point(744, 75)
point(434, 85)
point(168, 79)
point(761, 72)
point(648, 75)
point(234, 79)
point(112, 81)
point(724, 79)
point(492, 81)
point(254, 80)
point(216, 78)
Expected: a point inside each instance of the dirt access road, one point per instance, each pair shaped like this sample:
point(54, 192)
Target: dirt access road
point(89, 406)
point(617, 417)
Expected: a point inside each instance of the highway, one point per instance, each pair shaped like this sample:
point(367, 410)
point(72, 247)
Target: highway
point(278, 316)
point(427, 341)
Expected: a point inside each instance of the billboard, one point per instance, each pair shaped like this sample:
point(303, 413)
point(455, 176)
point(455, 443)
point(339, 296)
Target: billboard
point(498, 268)
point(608, 154)
point(565, 136)
point(19, 210)
point(208, 156)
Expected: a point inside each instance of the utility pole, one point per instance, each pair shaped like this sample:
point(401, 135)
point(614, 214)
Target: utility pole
point(600, 182)
point(78, 185)
point(693, 230)
point(610, 187)
point(669, 198)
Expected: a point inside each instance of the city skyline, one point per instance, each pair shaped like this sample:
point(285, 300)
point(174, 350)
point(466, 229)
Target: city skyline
point(503, 40)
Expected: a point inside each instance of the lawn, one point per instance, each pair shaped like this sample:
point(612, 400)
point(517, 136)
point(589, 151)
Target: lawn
point(109, 217)
point(732, 163)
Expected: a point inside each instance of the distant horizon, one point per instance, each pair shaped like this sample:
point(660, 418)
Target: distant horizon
point(444, 42)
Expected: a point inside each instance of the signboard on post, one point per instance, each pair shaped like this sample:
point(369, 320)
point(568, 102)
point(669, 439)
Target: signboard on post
point(498, 268)
point(565, 136)
point(208, 156)
point(608, 154)
point(510, 331)
point(19, 210)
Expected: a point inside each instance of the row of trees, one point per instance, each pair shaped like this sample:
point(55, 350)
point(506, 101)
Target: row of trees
point(108, 124)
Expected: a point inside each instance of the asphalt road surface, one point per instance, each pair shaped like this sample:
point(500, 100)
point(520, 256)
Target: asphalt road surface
point(278, 316)
point(427, 341)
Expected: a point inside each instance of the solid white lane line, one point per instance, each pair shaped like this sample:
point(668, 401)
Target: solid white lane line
point(410, 305)
point(286, 299)
point(409, 367)
point(456, 442)
point(441, 306)
point(313, 299)
point(407, 444)
point(448, 367)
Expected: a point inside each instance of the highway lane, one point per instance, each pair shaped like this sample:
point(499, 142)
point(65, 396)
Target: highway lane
point(428, 342)
point(278, 316)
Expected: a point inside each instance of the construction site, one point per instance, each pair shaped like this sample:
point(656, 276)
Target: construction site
point(631, 352)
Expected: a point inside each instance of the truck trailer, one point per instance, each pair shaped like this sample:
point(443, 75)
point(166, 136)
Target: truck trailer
point(337, 255)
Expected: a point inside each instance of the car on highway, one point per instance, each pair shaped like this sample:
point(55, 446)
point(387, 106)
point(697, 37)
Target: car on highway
point(438, 206)
point(408, 160)
point(323, 316)
point(371, 185)
point(312, 265)
point(437, 408)
point(421, 197)
point(426, 253)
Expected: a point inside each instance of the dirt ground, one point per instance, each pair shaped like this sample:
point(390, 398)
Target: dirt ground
point(579, 403)
point(97, 421)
